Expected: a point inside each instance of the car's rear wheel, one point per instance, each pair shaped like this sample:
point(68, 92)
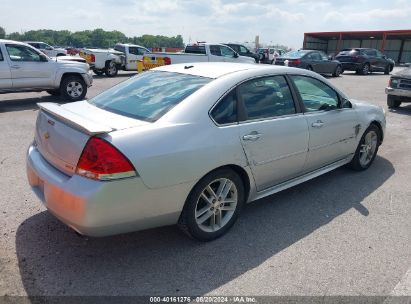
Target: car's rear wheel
point(337, 71)
point(309, 67)
point(111, 69)
point(365, 69)
point(392, 102)
point(213, 205)
point(367, 149)
point(73, 88)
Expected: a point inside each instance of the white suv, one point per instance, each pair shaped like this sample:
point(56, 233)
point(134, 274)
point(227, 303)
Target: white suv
point(48, 49)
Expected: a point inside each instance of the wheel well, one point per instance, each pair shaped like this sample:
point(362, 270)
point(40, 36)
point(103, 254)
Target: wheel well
point(243, 175)
point(378, 125)
point(65, 75)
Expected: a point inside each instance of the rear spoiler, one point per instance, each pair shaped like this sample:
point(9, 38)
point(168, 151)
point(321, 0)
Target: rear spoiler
point(73, 119)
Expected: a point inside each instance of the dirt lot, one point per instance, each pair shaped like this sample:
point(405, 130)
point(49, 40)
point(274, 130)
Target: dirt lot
point(344, 233)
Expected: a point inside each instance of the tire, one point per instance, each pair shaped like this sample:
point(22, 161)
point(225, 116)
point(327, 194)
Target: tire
point(391, 67)
point(365, 69)
point(54, 92)
point(392, 103)
point(367, 149)
point(387, 70)
point(73, 88)
point(337, 71)
point(197, 208)
point(111, 69)
point(98, 72)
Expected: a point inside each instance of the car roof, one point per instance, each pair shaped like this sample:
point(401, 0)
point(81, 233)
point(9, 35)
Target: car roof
point(217, 69)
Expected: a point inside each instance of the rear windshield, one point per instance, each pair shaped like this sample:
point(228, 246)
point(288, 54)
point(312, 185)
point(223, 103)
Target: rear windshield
point(195, 49)
point(295, 54)
point(349, 52)
point(149, 95)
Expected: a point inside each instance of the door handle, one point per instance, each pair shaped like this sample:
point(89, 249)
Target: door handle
point(317, 124)
point(16, 67)
point(253, 136)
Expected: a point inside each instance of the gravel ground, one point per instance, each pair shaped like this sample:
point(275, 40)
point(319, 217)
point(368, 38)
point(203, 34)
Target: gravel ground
point(344, 233)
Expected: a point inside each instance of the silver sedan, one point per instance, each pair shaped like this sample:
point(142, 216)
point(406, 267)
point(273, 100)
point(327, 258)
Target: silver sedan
point(190, 144)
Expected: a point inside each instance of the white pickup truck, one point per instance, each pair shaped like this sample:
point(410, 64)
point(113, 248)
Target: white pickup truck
point(23, 68)
point(196, 53)
point(109, 61)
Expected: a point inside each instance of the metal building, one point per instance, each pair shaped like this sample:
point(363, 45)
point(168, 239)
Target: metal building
point(395, 44)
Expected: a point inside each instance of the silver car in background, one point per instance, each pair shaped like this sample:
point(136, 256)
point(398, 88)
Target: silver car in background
point(189, 144)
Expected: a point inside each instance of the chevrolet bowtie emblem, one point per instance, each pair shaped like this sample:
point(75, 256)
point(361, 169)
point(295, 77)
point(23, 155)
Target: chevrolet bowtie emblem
point(46, 135)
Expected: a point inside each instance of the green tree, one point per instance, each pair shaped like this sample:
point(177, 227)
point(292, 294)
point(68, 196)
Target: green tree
point(2, 33)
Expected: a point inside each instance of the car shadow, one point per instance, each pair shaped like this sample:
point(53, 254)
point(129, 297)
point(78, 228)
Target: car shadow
point(119, 75)
point(53, 260)
point(404, 109)
point(21, 104)
point(353, 73)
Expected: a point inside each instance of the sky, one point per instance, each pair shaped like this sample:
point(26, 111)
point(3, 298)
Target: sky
point(276, 22)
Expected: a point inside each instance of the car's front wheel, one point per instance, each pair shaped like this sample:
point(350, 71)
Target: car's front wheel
point(213, 205)
point(365, 69)
point(111, 69)
point(392, 102)
point(367, 149)
point(337, 71)
point(73, 88)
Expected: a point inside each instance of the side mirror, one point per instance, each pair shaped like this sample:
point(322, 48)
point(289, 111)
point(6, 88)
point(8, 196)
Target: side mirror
point(235, 55)
point(345, 103)
point(43, 58)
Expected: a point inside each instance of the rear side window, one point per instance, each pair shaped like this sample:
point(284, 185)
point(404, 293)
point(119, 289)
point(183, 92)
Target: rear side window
point(266, 97)
point(215, 50)
point(1, 56)
point(349, 52)
point(120, 48)
point(226, 110)
point(195, 49)
point(150, 95)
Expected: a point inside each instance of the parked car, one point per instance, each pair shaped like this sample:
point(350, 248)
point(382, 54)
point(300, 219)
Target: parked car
point(24, 68)
point(316, 61)
point(110, 61)
point(192, 144)
point(269, 55)
point(48, 49)
point(243, 51)
point(198, 52)
point(399, 88)
point(365, 60)
point(72, 51)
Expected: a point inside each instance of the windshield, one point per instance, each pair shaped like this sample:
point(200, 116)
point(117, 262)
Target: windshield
point(149, 95)
point(295, 54)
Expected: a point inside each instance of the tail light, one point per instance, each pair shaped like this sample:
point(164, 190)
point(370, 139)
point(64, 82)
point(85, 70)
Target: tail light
point(100, 160)
point(167, 61)
point(92, 58)
point(295, 62)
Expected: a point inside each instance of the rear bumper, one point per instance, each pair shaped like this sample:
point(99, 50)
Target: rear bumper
point(97, 208)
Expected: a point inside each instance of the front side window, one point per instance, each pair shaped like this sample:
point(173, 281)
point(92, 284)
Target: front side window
point(149, 95)
point(215, 50)
point(22, 53)
point(266, 97)
point(243, 49)
point(120, 48)
point(226, 110)
point(226, 52)
point(316, 95)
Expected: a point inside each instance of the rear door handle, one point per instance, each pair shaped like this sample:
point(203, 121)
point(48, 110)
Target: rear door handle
point(16, 67)
point(317, 124)
point(253, 136)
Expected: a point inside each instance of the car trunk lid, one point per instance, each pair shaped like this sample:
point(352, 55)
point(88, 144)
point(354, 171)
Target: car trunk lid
point(62, 131)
